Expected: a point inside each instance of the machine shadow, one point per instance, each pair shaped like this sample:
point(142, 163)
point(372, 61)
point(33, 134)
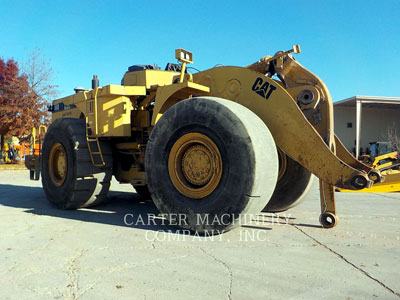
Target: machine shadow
point(123, 209)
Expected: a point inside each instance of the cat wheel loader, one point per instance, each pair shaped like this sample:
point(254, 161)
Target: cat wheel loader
point(209, 147)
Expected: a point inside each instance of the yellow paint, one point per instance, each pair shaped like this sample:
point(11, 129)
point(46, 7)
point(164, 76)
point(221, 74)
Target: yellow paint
point(390, 185)
point(377, 188)
point(292, 131)
point(149, 78)
point(58, 166)
point(195, 165)
point(166, 96)
point(302, 126)
point(113, 115)
point(393, 156)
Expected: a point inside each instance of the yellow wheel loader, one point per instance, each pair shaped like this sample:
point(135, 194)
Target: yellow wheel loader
point(210, 148)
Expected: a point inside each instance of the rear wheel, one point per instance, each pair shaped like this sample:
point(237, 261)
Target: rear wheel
point(69, 178)
point(210, 164)
point(294, 181)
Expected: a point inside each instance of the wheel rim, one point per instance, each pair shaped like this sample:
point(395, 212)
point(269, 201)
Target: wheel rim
point(282, 163)
point(328, 220)
point(195, 165)
point(58, 164)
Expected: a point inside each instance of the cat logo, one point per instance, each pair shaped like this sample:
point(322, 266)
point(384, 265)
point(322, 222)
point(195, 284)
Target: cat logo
point(264, 89)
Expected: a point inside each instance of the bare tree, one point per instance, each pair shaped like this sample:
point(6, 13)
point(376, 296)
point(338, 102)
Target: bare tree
point(40, 78)
point(394, 138)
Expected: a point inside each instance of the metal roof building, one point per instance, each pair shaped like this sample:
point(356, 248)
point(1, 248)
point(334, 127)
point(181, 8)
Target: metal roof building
point(360, 120)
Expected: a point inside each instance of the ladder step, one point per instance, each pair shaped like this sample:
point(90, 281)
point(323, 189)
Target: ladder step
point(90, 140)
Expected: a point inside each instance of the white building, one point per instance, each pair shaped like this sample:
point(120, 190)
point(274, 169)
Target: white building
point(360, 120)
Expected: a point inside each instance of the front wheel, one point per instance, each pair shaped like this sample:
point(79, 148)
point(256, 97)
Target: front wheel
point(211, 164)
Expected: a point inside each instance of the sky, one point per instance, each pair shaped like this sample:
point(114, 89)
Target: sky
point(354, 46)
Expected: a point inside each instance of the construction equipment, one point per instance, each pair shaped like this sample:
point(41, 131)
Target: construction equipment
point(391, 184)
point(381, 156)
point(32, 161)
point(14, 153)
point(211, 147)
point(21, 151)
point(5, 154)
point(388, 163)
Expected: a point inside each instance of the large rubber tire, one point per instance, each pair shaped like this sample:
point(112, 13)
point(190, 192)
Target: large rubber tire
point(291, 188)
point(249, 164)
point(142, 191)
point(84, 184)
